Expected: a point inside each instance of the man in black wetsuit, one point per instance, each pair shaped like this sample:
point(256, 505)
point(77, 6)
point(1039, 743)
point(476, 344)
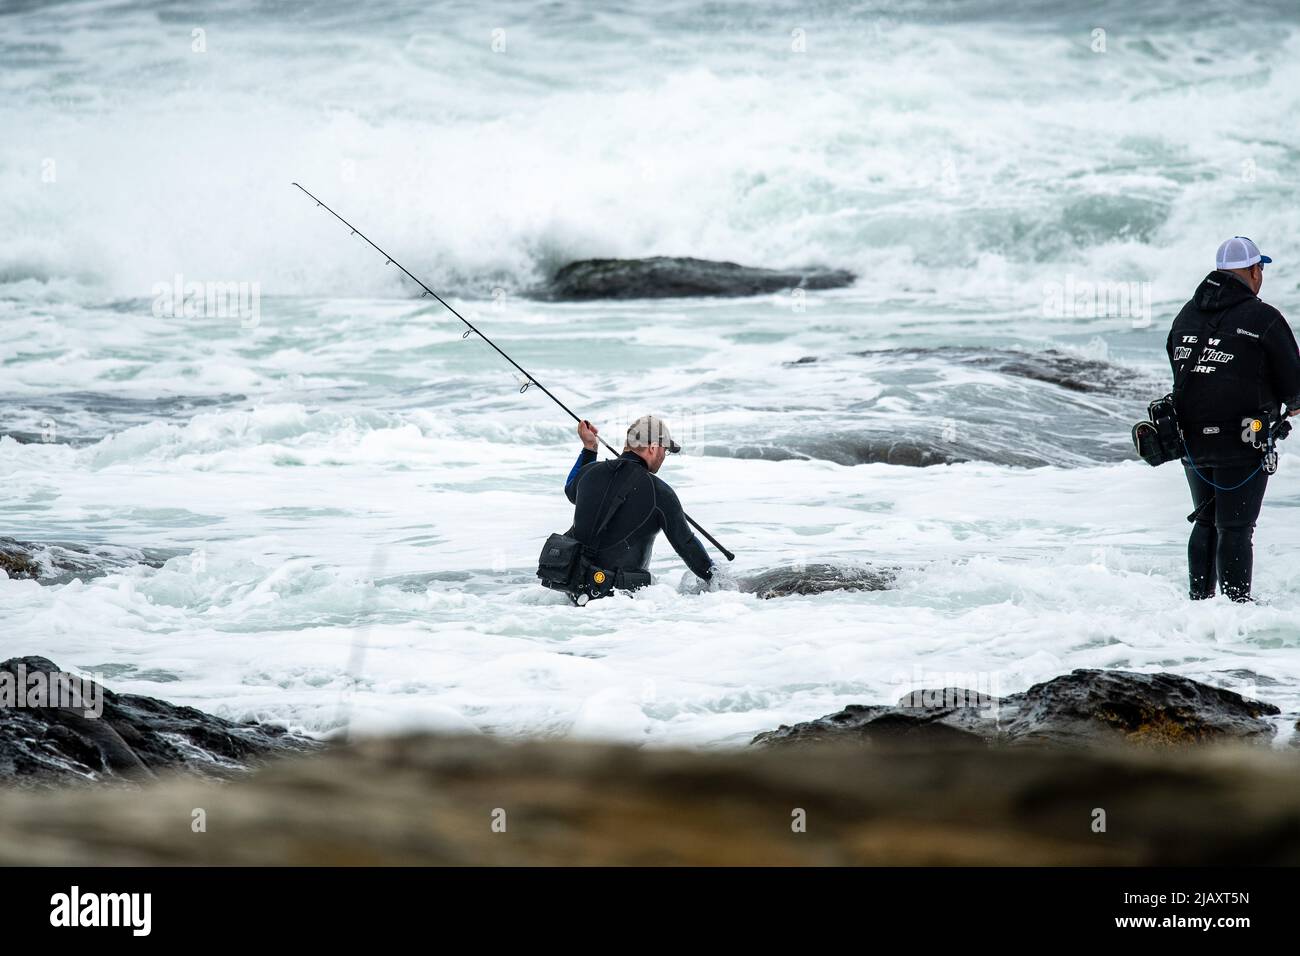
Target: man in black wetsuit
point(1234, 359)
point(648, 507)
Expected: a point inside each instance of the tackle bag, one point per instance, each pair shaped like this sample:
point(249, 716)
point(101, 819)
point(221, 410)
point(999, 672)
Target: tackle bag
point(566, 563)
point(561, 560)
point(1159, 439)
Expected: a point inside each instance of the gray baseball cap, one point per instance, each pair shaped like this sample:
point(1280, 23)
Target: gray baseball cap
point(650, 430)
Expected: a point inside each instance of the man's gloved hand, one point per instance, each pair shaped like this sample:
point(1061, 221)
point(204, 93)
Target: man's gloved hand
point(720, 579)
point(692, 583)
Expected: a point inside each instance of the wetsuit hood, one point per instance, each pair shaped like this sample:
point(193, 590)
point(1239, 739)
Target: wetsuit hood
point(1221, 290)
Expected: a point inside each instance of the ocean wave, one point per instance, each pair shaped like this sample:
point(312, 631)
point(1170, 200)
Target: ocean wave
point(279, 431)
point(765, 156)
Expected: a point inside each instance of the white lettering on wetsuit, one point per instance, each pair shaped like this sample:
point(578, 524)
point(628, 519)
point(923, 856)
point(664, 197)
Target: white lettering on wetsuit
point(1217, 356)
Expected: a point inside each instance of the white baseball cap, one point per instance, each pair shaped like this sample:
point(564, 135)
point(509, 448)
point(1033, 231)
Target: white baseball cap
point(650, 430)
point(1238, 253)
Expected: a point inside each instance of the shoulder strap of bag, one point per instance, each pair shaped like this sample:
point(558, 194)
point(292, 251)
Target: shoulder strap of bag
point(625, 488)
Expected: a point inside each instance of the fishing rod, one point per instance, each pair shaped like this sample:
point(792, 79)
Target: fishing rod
point(531, 381)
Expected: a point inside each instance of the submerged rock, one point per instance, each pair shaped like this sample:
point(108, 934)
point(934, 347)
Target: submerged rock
point(663, 277)
point(96, 734)
point(808, 579)
point(16, 563)
point(816, 579)
point(1073, 373)
point(83, 418)
point(859, 449)
point(1082, 708)
point(1006, 406)
point(60, 562)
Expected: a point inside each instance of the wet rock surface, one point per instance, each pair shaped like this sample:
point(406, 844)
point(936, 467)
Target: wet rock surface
point(83, 418)
point(816, 579)
point(807, 579)
point(661, 277)
point(1065, 370)
point(856, 448)
point(1074, 373)
point(1006, 406)
point(1083, 708)
point(123, 736)
point(60, 562)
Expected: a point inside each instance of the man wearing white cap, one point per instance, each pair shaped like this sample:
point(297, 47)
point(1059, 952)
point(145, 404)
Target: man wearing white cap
point(621, 505)
point(1234, 360)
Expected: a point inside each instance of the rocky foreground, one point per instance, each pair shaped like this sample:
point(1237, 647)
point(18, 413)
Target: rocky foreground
point(661, 277)
point(1091, 768)
point(475, 800)
point(1083, 708)
point(108, 736)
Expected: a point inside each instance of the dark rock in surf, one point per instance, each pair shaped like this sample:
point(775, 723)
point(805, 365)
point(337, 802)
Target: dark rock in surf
point(1147, 709)
point(858, 449)
point(34, 438)
point(662, 277)
point(1083, 708)
point(1051, 366)
point(815, 579)
point(83, 418)
point(125, 737)
point(1073, 373)
point(61, 562)
point(16, 563)
point(1005, 406)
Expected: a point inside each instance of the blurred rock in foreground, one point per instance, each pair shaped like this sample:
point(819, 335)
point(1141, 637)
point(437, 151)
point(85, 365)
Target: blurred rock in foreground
point(431, 800)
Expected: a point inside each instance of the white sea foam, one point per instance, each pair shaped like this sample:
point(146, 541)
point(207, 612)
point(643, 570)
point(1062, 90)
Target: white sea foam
point(350, 480)
point(973, 152)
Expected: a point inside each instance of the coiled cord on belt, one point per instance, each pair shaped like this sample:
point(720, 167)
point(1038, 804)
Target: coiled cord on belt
point(1239, 484)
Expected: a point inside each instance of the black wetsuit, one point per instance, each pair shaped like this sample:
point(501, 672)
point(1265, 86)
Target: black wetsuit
point(1234, 358)
point(628, 540)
